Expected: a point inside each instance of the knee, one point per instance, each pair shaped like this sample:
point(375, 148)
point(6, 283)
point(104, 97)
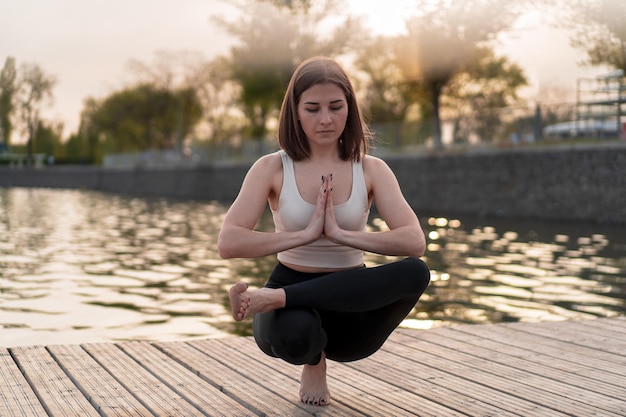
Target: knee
point(418, 269)
point(298, 336)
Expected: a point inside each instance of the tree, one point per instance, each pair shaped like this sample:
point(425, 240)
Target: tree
point(47, 139)
point(274, 37)
point(481, 90)
point(386, 97)
point(8, 86)
point(34, 90)
point(168, 70)
point(600, 31)
point(83, 146)
point(211, 80)
point(218, 93)
point(443, 40)
point(143, 117)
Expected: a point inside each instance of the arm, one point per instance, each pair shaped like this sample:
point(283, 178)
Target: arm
point(405, 236)
point(238, 239)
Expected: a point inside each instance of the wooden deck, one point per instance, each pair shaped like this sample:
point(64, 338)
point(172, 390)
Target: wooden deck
point(572, 368)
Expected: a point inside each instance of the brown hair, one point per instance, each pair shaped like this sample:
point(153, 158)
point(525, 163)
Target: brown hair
point(354, 140)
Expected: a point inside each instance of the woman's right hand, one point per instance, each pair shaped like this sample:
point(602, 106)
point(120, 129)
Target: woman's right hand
point(316, 225)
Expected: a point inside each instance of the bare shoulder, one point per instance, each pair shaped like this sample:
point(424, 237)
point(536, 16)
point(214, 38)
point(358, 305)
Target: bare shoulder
point(381, 181)
point(374, 167)
point(268, 164)
point(265, 176)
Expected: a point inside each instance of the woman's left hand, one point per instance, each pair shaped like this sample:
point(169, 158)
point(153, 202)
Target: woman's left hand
point(331, 228)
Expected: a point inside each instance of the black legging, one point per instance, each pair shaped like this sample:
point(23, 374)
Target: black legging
point(347, 314)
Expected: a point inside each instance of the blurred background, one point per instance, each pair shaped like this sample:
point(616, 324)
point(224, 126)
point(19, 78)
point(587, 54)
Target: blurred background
point(203, 79)
point(105, 90)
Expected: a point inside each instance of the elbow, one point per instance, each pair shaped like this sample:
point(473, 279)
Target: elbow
point(418, 252)
point(224, 253)
point(225, 250)
point(419, 248)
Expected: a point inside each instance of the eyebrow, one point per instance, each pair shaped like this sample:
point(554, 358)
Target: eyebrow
point(332, 102)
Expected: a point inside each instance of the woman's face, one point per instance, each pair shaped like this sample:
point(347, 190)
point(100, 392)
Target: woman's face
point(322, 112)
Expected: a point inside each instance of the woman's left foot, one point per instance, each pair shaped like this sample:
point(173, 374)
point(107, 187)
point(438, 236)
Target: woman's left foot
point(244, 302)
point(239, 301)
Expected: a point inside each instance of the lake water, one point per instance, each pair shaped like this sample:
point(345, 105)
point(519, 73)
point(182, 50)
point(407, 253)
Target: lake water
point(82, 266)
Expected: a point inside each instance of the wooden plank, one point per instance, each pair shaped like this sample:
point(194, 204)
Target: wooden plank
point(577, 373)
point(103, 391)
point(517, 336)
point(17, 399)
point(575, 334)
point(613, 324)
point(54, 388)
point(520, 376)
point(593, 327)
point(577, 356)
point(258, 370)
point(233, 381)
point(444, 382)
point(185, 381)
point(600, 329)
point(148, 389)
point(349, 388)
point(285, 385)
point(433, 388)
point(552, 369)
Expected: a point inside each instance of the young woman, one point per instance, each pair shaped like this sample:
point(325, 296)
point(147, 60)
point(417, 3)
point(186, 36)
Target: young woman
point(321, 302)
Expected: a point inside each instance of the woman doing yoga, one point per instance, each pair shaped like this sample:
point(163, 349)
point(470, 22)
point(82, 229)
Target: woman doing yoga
point(321, 302)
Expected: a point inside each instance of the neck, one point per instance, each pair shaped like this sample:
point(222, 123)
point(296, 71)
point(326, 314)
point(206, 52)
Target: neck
point(324, 154)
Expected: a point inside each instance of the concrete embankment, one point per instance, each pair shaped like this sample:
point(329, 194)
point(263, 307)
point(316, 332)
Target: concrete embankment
point(584, 183)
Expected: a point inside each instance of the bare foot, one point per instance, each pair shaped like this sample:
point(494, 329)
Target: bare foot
point(239, 301)
point(245, 303)
point(313, 386)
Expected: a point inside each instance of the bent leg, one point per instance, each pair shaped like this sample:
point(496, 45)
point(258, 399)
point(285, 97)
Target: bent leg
point(361, 289)
point(294, 335)
point(360, 308)
point(354, 336)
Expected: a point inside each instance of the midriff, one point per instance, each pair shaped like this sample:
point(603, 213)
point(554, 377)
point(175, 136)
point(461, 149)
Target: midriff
point(301, 268)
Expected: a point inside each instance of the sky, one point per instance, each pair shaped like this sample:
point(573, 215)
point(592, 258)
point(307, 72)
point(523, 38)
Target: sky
point(87, 44)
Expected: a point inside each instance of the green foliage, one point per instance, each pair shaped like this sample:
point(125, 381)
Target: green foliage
point(142, 117)
point(34, 91)
point(443, 41)
point(475, 96)
point(387, 96)
point(8, 87)
point(600, 31)
point(274, 37)
point(47, 140)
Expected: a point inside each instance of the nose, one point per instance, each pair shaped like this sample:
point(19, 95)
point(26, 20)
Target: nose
point(325, 117)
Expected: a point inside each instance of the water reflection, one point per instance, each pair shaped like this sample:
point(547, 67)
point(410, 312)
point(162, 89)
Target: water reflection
point(81, 266)
point(520, 271)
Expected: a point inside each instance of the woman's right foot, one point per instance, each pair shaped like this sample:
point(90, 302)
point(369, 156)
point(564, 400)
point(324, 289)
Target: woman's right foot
point(313, 386)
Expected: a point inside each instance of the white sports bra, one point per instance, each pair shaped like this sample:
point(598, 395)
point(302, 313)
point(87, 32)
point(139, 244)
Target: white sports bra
point(294, 213)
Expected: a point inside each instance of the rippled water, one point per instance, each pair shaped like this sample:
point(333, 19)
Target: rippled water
point(82, 266)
